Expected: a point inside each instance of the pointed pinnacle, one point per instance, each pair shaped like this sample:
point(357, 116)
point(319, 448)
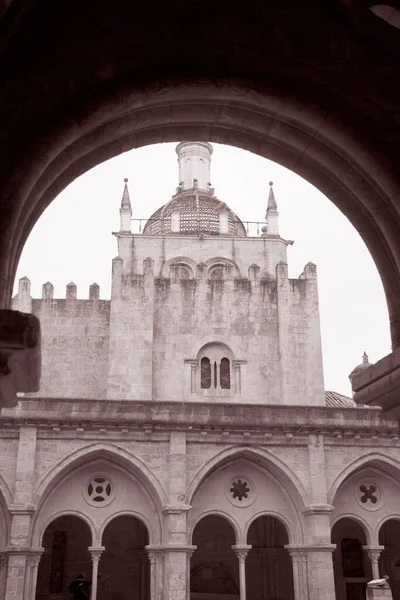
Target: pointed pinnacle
point(272, 205)
point(126, 201)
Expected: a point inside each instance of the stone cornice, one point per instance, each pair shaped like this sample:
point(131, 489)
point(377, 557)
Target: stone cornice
point(212, 417)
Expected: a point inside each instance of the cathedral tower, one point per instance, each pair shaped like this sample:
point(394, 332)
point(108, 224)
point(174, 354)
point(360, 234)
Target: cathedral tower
point(200, 310)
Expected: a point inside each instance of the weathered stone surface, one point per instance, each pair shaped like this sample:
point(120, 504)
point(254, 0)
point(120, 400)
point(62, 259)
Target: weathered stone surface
point(20, 359)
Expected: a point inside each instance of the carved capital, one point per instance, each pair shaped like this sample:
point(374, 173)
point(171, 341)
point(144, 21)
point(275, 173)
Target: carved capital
point(373, 552)
point(20, 359)
point(95, 553)
point(241, 551)
point(152, 556)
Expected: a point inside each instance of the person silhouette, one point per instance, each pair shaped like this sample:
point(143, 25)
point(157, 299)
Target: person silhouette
point(80, 587)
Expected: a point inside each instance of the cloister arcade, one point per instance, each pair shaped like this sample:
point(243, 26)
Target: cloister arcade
point(252, 543)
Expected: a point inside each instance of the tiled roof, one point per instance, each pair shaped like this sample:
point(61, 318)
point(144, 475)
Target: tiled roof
point(335, 399)
point(198, 213)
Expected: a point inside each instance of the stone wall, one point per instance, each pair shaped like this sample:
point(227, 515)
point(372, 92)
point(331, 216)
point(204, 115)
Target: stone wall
point(75, 344)
point(269, 325)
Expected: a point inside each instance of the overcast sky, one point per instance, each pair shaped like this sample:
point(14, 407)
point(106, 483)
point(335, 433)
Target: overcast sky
point(72, 241)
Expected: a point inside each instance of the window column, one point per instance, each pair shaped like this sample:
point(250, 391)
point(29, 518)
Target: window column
point(374, 553)
point(95, 554)
point(241, 551)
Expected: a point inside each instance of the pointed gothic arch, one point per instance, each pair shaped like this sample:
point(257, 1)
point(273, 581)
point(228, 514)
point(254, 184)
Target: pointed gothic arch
point(130, 464)
point(286, 477)
point(387, 464)
point(129, 461)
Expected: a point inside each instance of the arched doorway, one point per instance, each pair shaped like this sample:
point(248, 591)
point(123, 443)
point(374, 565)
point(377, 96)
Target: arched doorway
point(389, 560)
point(269, 572)
point(351, 565)
point(65, 541)
point(124, 570)
point(214, 571)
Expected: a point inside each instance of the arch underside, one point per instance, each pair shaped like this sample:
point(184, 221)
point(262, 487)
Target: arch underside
point(299, 137)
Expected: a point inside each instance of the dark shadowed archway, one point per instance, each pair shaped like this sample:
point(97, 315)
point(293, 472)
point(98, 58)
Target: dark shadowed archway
point(269, 571)
point(351, 565)
point(65, 541)
point(389, 560)
point(214, 567)
point(124, 569)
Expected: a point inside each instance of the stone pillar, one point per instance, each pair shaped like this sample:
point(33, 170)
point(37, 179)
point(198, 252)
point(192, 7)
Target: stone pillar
point(373, 553)
point(175, 571)
point(153, 574)
point(95, 553)
point(188, 559)
point(3, 573)
point(16, 573)
point(300, 576)
point(156, 558)
point(31, 579)
point(241, 552)
point(25, 469)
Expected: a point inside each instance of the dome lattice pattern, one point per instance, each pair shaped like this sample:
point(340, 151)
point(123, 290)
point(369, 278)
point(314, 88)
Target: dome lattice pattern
point(199, 213)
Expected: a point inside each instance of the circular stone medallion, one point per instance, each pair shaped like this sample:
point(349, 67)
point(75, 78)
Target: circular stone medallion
point(241, 491)
point(99, 490)
point(369, 494)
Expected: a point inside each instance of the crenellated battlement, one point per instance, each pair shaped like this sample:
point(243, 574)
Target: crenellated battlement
point(71, 292)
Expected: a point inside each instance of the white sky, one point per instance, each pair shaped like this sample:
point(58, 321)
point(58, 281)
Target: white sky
point(72, 240)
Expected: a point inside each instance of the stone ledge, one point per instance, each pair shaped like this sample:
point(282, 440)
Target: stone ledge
point(380, 385)
point(199, 415)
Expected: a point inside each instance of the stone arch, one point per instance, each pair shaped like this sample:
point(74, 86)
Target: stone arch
point(350, 561)
point(222, 345)
point(79, 459)
point(65, 540)
point(270, 513)
point(6, 497)
point(390, 466)
point(217, 261)
point(363, 523)
point(289, 481)
point(234, 524)
point(395, 517)
point(214, 537)
point(5, 517)
point(183, 260)
point(38, 532)
point(300, 136)
point(127, 513)
point(113, 453)
point(203, 341)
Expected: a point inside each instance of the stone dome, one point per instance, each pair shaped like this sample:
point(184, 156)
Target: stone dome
point(361, 367)
point(195, 212)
